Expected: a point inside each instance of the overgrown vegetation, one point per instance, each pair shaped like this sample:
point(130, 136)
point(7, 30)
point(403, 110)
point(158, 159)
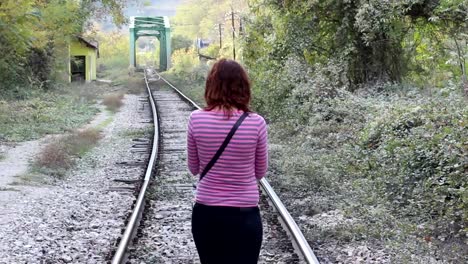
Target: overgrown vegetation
point(392, 163)
point(35, 34)
point(113, 101)
point(34, 41)
point(59, 155)
point(368, 121)
point(41, 113)
point(371, 41)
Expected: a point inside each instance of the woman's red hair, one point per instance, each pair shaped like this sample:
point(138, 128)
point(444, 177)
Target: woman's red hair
point(227, 87)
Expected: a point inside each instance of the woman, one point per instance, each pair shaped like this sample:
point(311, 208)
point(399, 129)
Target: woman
point(226, 223)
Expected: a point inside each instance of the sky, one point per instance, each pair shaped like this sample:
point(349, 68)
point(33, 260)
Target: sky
point(153, 8)
point(146, 8)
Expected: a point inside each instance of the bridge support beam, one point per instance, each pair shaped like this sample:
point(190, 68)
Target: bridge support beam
point(132, 48)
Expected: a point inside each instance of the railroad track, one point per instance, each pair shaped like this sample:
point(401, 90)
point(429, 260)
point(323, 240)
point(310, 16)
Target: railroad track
point(163, 232)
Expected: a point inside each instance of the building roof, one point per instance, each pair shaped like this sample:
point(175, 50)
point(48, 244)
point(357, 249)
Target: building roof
point(89, 43)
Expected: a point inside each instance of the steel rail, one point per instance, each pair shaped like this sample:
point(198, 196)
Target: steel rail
point(299, 239)
point(120, 255)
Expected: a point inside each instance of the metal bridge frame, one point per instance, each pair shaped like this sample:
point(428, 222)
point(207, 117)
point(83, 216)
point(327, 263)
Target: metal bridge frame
point(158, 27)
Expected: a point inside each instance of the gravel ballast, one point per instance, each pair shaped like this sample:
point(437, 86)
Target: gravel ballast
point(79, 219)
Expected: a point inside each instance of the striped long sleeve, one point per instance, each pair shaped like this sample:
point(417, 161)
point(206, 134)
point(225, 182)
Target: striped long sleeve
point(261, 153)
point(192, 153)
point(232, 181)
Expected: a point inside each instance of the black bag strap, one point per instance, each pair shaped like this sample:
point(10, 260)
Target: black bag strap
point(224, 145)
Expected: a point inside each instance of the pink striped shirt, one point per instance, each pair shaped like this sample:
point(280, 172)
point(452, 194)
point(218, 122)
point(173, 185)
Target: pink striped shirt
point(232, 181)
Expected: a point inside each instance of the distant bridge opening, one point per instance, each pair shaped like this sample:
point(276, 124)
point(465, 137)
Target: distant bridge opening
point(158, 27)
point(148, 52)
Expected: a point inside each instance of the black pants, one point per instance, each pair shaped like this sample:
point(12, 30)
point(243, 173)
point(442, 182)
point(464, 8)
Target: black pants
point(227, 235)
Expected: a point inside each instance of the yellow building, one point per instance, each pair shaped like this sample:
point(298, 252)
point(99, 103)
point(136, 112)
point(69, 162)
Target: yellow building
point(83, 60)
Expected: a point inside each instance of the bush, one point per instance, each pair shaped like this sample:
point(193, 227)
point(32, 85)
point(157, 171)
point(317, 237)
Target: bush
point(55, 158)
point(113, 101)
point(81, 141)
point(212, 51)
point(180, 42)
point(59, 155)
point(184, 62)
point(386, 154)
point(417, 158)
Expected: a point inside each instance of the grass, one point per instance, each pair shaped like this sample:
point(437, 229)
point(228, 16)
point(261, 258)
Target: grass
point(32, 113)
point(45, 113)
point(59, 155)
point(123, 80)
point(104, 124)
point(36, 113)
point(138, 133)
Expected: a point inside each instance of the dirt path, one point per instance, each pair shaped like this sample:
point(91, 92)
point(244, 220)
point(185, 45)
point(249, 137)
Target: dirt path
point(17, 158)
point(16, 161)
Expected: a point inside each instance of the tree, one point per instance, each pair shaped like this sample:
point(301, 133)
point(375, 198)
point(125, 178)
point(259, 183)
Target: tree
point(34, 36)
point(374, 40)
point(202, 19)
point(180, 42)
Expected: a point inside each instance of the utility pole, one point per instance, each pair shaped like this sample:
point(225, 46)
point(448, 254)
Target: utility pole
point(233, 34)
point(241, 27)
point(220, 36)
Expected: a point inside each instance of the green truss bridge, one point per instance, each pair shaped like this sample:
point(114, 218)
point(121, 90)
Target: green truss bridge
point(158, 27)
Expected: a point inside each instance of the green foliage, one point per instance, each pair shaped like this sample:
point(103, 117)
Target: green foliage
point(113, 49)
point(373, 40)
point(389, 155)
point(180, 42)
point(34, 38)
point(201, 19)
point(416, 156)
point(102, 9)
point(16, 29)
point(212, 51)
point(185, 63)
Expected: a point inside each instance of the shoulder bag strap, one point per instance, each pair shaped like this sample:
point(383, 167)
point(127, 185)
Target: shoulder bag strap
point(224, 145)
